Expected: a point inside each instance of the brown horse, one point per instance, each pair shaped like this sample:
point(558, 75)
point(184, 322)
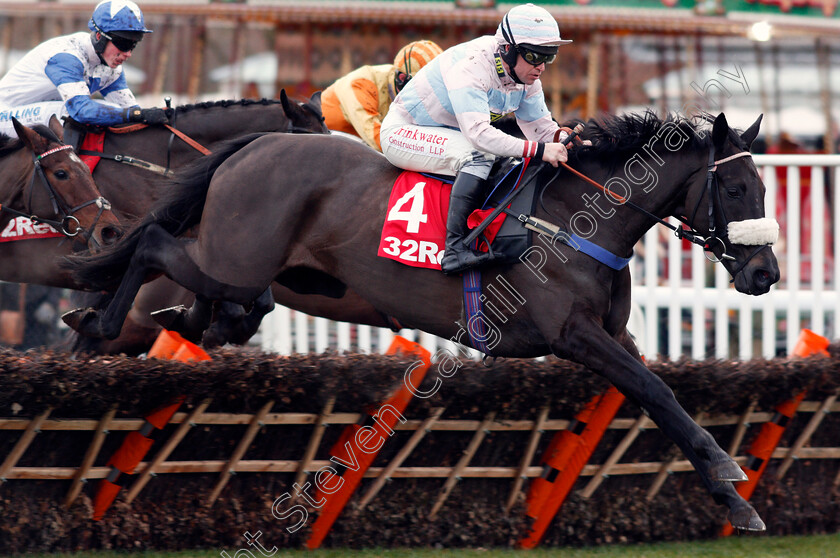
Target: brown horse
point(307, 211)
point(45, 183)
point(124, 178)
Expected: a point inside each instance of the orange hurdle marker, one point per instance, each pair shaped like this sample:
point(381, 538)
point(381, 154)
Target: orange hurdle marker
point(764, 444)
point(347, 449)
point(169, 345)
point(564, 459)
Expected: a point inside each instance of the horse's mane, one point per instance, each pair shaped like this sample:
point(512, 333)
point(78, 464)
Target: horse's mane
point(9, 144)
point(226, 103)
point(615, 135)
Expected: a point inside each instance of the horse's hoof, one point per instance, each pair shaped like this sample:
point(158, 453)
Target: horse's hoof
point(213, 338)
point(170, 318)
point(79, 320)
point(727, 471)
point(174, 319)
point(745, 518)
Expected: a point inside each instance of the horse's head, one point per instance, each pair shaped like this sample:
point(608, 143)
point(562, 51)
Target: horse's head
point(61, 190)
point(725, 205)
point(304, 116)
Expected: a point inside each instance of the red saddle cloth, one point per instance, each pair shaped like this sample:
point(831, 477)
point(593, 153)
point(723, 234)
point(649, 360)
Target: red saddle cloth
point(92, 142)
point(415, 224)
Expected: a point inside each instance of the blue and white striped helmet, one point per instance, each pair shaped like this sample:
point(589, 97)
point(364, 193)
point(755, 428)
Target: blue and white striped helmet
point(529, 25)
point(117, 15)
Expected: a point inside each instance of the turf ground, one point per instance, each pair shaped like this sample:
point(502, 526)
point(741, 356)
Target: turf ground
point(817, 546)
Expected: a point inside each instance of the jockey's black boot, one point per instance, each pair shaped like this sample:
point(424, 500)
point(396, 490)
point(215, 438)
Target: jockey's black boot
point(465, 197)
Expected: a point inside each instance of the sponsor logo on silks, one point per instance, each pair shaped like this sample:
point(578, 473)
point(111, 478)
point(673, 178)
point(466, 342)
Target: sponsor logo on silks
point(20, 114)
point(500, 70)
point(22, 228)
point(494, 116)
point(419, 140)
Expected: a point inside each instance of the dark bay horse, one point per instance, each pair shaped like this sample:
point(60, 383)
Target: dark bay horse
point(307, 212)
point(45, 182)
point(132, 189)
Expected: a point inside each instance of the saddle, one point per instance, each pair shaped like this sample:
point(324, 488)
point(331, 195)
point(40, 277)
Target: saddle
point(507, 175)
point(88, 141)
point(415, 224)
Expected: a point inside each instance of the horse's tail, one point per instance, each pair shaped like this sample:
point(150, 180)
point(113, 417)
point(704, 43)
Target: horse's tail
point(178, 210)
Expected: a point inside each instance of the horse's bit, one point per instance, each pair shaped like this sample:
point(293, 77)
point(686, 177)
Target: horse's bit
point(67, 224)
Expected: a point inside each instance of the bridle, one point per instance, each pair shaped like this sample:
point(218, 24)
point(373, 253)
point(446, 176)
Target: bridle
point(713, 191)
point(688, 232)
point(67, 224)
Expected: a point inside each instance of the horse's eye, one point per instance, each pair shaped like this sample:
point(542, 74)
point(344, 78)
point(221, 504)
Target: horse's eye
point(733, 192)
point(61, 174)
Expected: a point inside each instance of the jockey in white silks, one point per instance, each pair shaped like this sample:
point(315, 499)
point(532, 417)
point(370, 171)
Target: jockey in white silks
point(59, 76)
point(440, 121)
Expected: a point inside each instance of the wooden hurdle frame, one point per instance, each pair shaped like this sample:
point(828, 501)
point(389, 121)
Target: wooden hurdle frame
point(597, 472)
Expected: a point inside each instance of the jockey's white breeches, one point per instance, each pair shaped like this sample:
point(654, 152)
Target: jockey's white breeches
point(36, 113)
point(29, 115)
point(433, 149)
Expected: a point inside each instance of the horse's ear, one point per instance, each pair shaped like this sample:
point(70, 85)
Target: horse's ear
point(315, 99)
point(720, 131)
point(752, 132)
point(30, 138)
point(56, 127)
point(284, 100)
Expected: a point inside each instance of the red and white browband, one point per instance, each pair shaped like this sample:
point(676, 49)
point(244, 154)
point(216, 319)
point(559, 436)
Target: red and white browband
point(53, 150)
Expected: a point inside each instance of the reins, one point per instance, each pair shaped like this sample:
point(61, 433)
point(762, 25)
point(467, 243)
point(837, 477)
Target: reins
point(690, 233)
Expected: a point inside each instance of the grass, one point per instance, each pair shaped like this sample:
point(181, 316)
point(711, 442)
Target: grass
point(814, 546)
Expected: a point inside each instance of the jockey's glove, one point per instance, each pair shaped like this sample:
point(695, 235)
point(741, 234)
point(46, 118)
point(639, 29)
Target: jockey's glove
point(147, 116)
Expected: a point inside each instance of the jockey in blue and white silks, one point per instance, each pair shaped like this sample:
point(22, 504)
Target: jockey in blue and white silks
point(59, 76)
point(441, 120)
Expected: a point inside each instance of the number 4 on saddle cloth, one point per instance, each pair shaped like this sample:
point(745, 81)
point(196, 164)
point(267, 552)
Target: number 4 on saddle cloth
point(414, 232)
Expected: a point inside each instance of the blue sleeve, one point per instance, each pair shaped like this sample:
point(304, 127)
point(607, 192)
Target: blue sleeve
point(67, 73)
point(65, 68)
point(84, 109)
point(532, 107)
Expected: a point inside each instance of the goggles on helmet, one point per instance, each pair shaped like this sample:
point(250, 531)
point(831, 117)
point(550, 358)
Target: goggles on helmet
point(535, 58)
point(123, 44)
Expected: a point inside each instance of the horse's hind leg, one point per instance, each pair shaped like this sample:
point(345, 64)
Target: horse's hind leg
point(157, 252)
point(586, 342)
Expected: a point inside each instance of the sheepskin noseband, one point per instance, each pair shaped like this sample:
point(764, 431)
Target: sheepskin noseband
point(754, 232)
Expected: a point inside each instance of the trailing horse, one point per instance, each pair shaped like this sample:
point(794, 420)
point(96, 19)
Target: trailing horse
point(136, 163)
point(131, 188)
point(307, 211)
point(48, 190)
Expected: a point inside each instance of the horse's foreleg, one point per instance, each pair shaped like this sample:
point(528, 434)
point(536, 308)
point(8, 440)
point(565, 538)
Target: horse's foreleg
point(250, 322)
point(229, 315)
point(234, 325)
point(585, 341)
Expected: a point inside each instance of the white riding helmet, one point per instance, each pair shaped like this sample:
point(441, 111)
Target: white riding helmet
point(529, 25)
